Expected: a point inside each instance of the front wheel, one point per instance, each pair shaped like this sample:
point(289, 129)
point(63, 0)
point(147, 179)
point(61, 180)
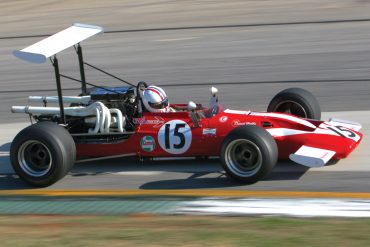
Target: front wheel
point(43, 153)
point(248, 154)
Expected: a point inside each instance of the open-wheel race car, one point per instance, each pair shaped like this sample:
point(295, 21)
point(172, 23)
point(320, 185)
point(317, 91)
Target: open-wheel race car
point(110, 122)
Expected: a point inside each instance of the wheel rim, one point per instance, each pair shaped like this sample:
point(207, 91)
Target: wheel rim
point(243, 157)
point(34, 158)
point(291, 107)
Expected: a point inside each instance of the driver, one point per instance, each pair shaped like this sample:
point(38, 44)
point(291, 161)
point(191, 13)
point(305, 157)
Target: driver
point(155, 99)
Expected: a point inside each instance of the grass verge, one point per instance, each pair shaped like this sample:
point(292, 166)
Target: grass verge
point(152, 230)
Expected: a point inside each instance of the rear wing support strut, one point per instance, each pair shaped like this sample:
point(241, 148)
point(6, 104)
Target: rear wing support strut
point(54, 61)
point(82, 69)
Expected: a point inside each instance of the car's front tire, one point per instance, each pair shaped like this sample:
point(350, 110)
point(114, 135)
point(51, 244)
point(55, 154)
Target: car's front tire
point(248, 154)
point(42, 154)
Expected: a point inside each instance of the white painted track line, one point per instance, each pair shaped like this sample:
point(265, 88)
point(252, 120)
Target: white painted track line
point(285, 207)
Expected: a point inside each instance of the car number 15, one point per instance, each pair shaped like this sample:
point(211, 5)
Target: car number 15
point(344, 132)
point(175, 137)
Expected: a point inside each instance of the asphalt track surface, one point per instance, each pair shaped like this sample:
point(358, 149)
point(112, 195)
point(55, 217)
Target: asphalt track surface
point(249, 49)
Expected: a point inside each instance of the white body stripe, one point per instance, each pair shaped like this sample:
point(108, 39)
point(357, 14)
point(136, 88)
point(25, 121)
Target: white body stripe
point(277, 132)
point(237, 112)
point(284, 116)
point(289, 132)
point(286, 132)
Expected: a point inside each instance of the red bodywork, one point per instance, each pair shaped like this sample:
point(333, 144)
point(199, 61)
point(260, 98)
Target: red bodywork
point(184, 139)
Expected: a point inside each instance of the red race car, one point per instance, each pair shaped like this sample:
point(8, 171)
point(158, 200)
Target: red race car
point(107, 122)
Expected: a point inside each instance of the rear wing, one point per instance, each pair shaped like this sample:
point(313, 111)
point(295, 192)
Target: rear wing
point(49, 47)
point(42, 50)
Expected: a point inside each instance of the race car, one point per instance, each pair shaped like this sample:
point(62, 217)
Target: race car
point(110, 122)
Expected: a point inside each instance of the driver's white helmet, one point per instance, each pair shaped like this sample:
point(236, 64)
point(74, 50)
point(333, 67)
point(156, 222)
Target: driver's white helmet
point(155, 99)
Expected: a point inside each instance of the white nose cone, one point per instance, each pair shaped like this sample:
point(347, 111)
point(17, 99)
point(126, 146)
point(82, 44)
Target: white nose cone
point(214, 90)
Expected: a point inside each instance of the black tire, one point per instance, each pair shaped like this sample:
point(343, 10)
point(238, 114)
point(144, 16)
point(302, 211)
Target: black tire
point(296, 101)
point(43, 153)
point(248, 154)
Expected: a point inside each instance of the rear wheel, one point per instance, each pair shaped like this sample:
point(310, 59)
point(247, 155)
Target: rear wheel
point(296, 101)
point(43, 153)
point(248, 154)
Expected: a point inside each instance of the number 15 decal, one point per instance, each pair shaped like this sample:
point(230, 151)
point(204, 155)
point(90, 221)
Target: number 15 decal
point(175, 137)
point(345, 132)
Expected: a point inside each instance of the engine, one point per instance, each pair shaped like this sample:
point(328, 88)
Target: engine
point(103, 111)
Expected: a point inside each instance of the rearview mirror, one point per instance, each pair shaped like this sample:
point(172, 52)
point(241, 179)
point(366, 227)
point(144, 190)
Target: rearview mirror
point(193, 114)
point(214, 91)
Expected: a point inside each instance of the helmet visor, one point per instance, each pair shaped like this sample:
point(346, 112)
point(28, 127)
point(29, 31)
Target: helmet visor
point(160, 105)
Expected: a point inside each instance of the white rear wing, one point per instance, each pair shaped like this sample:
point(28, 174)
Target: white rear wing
point(42, 50)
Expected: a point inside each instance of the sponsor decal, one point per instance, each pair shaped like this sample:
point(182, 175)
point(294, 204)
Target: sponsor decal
point(147, 143)
point(223, 119)
point(209, 132)
point(238, 123)
point(157, 121)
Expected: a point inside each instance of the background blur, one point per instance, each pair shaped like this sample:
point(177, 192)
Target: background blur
point(252, 49)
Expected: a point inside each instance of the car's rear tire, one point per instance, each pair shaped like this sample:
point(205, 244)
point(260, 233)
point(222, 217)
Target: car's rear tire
point(248, 154)
point(296, 101)
point(43, 153)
